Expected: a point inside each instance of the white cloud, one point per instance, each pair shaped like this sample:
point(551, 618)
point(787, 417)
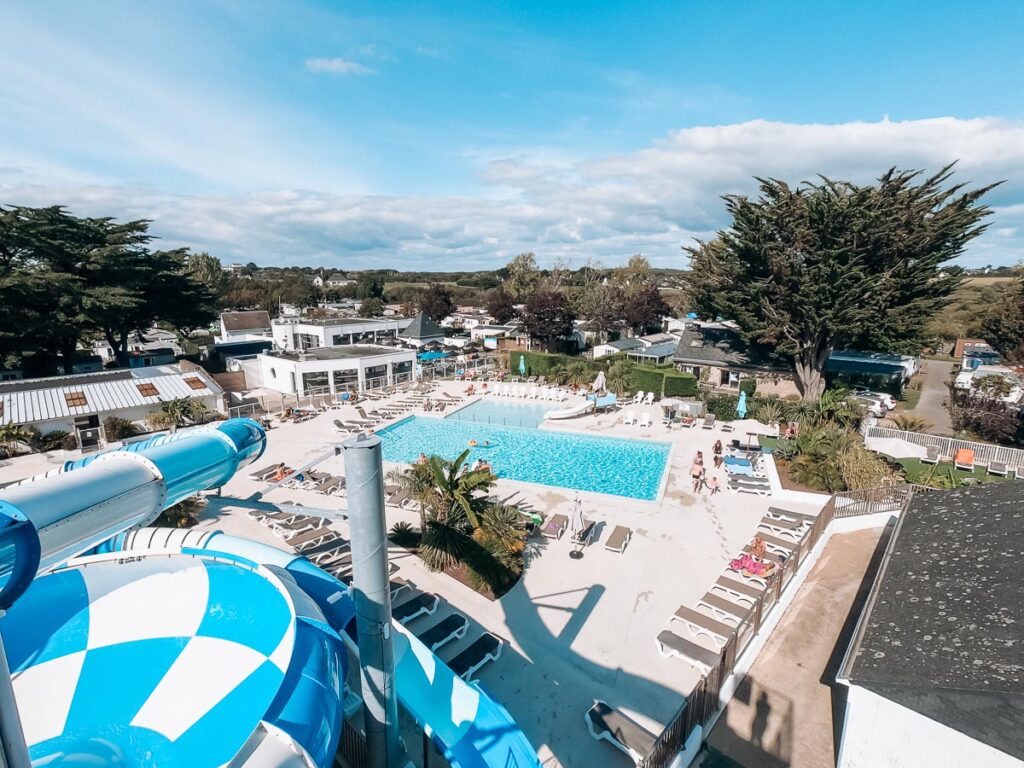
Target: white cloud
point(652, 201)
point(338, 66)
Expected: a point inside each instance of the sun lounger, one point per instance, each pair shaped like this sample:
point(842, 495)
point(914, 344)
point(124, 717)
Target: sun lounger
point(619, 539)
point(997, 468)
point(672, 645)
point(333, 537)
point(313, 536)
point(726, 610)
point(932, 455)
point(619, 730)
point(728, 427)
point(964, 459)
point(421, 605)
point(785, 514)
point(784, 547)
point(757, 489)
point(793, 530)
point(483, 650)
point(701, 624)
point(709, 422)
point(296, 525)
point(585, 534)
point(452, 628)
point(738, 590)
point(554, 527)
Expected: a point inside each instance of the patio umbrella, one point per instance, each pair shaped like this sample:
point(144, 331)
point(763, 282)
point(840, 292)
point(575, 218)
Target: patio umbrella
point(522, 365)
point(599, 382)
point(741, 406)
point(576, 518)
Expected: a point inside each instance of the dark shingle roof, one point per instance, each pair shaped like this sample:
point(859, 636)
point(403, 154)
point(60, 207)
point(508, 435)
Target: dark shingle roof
point(622, 344)
point(246, 321)
point(422, 327)
point(943, 632)
point(711, 345)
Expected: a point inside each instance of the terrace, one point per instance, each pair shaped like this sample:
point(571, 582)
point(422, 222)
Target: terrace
point(577, 630)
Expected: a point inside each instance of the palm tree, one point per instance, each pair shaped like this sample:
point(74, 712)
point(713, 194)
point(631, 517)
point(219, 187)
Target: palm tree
point(617, 378)
point(910, 423)
point(577, 373)
point(418, 482)
point(454, 490)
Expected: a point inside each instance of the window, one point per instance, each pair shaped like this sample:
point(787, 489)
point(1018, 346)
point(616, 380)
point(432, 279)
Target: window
point(195, 382)
point(316, 383)
point(148, 390)
point(75, 399)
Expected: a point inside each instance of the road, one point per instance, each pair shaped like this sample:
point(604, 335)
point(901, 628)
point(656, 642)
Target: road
point(933, 393)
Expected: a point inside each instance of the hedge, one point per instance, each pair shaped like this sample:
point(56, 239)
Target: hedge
point(645, 379)
point(723, 406)
point(539, 363)
point(680, 385)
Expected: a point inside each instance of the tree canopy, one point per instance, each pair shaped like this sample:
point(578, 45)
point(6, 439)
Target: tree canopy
point(1003, 323)
point(830, 264)
point(548, 315)
point(437, 302)
point(500, 305)
point(66, 279)
point(523, 276)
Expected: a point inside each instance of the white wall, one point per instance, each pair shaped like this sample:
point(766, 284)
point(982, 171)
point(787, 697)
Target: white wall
point(879, 733)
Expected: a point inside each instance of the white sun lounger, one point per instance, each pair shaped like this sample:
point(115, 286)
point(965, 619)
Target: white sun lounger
point(621, 731)
point(451, 628)
point(672, 645)
point(701, 624)
point(482, 651)
point(619, 539)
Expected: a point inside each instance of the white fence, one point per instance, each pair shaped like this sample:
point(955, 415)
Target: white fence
point(984, 453)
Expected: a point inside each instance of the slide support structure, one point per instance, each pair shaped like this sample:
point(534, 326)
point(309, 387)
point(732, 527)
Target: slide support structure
point(372, 597)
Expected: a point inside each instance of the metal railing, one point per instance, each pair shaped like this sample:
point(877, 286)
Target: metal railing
point(984, 453)
point(352, 751)
point(704, 700)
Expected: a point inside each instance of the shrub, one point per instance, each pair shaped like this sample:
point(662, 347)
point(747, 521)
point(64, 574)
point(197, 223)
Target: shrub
point(51, 441)
point(910, 423)
point(403, 534)
point(645, 379)
point(723, 406)
point(749, 386)
point(680, 385)
point(767, 411)
point(70, 442)
point(116, 428)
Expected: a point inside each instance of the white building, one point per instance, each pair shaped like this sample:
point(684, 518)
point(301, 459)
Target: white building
point(244, 325)
point(970, 380)
point(614, 347)
point(296, 333)
point(467, 320)
point(80, 403)
point(331, 370)
point(935, 673)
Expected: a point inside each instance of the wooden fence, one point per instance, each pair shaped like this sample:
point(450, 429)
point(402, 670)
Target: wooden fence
point(984, 453)
point(704, 700)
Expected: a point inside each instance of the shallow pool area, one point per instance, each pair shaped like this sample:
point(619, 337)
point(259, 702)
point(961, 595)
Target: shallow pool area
point(631, 468)
point(504, 413)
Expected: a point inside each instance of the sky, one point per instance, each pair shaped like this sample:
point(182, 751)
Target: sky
point(453, 135)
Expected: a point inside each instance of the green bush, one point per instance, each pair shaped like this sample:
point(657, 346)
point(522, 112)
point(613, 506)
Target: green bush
point(680, 385)
point(749, 386)
point(403, 534)
point(645, 379)
point(723, 406)
point(116, 428)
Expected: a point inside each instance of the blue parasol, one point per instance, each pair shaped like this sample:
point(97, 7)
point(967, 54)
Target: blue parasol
point(741, 406)
point(522, 365)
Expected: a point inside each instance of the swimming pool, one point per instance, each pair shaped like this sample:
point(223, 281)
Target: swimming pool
point(631, 468)
point(504, 413)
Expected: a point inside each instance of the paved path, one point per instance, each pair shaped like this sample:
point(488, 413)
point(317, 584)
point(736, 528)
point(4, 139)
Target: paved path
point(782, 713)
point(933, 392)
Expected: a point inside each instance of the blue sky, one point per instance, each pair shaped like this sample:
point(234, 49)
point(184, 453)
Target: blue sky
point(455, 134)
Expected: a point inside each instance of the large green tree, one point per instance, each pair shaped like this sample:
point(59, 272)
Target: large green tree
point(830, 264)
point(437, 301)
point(1003, 323)
point(548, 315)
point(523, 276)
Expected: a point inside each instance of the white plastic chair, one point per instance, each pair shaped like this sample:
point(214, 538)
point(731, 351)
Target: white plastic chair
point(628, 418)
point(649, 400)
point(645, 419)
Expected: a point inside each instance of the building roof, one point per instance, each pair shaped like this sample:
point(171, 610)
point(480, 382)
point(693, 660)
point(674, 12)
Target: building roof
point(716, 344)
point(422, 327)
point(256, 320)
point(660, 338)
point(942, 631)
point(623, 344)
point(337, 277)
point(666, 349)
point(32, 400)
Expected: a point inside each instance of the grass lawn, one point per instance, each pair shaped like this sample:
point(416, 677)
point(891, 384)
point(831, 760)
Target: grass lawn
point(916, 470)
point(909, 401)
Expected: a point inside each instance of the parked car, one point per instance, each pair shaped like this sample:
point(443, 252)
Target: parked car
point(885, 398)
point(872, 405)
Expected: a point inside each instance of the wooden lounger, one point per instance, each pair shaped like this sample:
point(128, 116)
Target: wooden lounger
point(421, 605)
point(483, 650)
point(786, 514)
point(315, 536)
point(452, 628)
point(619, 539)
point(554, 527)
point(672, 645)
point(739, 590)
point(722, 608)
point(701, 624)
point(331, 538)
point(621, 731)
point(783, 527)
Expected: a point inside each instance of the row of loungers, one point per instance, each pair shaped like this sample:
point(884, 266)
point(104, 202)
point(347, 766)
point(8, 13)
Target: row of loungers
point(467, 662)
point(555, 526)
point(716, 617)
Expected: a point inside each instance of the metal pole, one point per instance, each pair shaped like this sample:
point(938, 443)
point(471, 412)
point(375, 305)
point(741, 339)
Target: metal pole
point(372, 595)
point(13, 750)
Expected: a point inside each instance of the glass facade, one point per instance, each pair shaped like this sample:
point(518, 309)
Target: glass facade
point(317, 382)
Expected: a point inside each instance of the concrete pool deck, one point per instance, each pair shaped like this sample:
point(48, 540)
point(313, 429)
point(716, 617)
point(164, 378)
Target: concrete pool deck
point(577, 630)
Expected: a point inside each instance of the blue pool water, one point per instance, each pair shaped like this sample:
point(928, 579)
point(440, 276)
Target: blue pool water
point(504, 413)
point(630, 468)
